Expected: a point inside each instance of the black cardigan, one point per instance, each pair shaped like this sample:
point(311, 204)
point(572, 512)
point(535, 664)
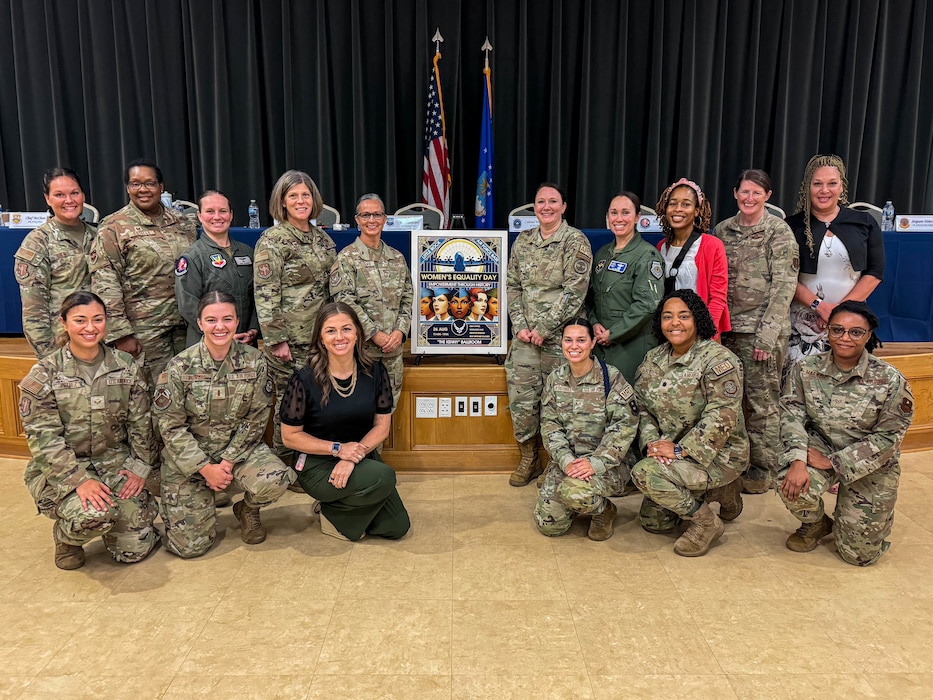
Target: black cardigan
point(856, 229)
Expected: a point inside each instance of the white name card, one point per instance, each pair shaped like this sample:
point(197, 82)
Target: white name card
point(649, 224)
point(26, 219)
point(522, 223)
point(413, 222)
point(913, 222)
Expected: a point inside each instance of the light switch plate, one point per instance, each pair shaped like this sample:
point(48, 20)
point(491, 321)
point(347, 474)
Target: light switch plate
point(460, 407)
point(476, 405)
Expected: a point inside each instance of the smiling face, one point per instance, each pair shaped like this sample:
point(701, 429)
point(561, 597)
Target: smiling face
point(678, 325)
point(145, 190)
point(846, 349)
point(549, 208)
point(681, 210)
point(215, 215)
point(298, 205)
point(825, 190)
point(751, 198)
point(86, 326)
point(371, 219)
point(622, 217)
point(338, 334)
point(218, 322)
point(576, 343)
point(66, 200)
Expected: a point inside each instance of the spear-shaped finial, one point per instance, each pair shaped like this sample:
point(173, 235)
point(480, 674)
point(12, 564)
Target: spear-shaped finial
point(487, 47)
point(437, 39)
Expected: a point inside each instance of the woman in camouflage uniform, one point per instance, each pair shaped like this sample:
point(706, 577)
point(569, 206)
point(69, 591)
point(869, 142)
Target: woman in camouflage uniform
point(212, 404)
point(85, 410)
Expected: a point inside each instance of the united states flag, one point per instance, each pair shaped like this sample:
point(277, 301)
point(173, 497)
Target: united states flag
point(435, 187)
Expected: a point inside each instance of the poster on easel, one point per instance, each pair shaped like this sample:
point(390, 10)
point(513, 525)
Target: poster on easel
point(460, 300)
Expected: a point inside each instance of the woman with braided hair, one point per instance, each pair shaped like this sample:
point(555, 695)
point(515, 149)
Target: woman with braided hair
point(841, 255)
point(693, 258)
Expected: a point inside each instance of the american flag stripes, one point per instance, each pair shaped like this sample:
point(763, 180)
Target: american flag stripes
point(435, 187)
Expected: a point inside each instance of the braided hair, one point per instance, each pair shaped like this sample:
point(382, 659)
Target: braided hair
point(803, 196)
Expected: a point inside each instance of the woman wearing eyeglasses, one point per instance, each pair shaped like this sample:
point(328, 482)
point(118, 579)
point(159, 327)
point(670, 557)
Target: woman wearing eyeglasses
point(844, 414)
point(373, 279)
point(290, 272)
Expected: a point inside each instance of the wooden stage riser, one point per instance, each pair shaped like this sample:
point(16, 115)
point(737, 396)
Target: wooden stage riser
point(461, 444)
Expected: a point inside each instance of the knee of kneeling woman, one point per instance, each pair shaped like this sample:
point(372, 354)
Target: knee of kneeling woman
point(400, 529)
point(865, 554)
point(640, 472)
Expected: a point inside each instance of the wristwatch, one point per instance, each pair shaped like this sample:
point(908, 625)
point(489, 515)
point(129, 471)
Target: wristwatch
point(816, 302)
point(678, 451)
point(335, 449)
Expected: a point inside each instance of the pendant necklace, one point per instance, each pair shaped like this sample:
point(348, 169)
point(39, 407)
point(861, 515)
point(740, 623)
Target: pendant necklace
point(829, 244)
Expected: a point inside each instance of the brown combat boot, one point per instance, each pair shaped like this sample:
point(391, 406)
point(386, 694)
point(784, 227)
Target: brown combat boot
point(705, 528)
point(603, 524)
point(756, 485)
point(68, 556)
point(252, 531)
point(221, 499)
point(729, 498)
point(530, 466)
point(808, 535)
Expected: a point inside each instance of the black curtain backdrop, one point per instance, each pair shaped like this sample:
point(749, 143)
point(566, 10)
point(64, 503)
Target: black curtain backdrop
point(598, 95)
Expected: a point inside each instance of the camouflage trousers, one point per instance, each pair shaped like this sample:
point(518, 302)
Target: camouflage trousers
point(760, 402)
point(188, 502)
point(125, 527)
point(562, 497)
point(526, 368)
point(280, 372)
point(159, 346)
point(395, 368)
point(678, 486)
point(864, 510)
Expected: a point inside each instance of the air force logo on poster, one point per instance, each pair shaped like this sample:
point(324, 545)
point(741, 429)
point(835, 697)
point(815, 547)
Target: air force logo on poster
point(460, 283)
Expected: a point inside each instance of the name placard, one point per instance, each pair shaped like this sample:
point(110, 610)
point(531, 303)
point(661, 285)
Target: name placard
point(26, 219)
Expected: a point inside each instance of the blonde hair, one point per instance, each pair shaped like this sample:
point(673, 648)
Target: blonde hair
point(803, 196)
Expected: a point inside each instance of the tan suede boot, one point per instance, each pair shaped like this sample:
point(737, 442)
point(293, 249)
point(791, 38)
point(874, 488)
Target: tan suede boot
point(808, 535)
point(705, 528)
point(729, 498)
point(221, 499)
point(68, 556)
point(251, 531)
point(530, 466)
point(603, 524)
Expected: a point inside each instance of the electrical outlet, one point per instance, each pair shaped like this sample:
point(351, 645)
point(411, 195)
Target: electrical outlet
point(476, 405)
point(461, 406)
point(491, 405)
point(426, 407)
point(444, 407)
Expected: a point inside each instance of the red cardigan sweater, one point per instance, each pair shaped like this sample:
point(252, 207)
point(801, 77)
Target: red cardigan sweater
point(712, 279)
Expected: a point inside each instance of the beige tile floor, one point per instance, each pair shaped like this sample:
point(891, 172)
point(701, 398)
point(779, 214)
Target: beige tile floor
point(472, 604)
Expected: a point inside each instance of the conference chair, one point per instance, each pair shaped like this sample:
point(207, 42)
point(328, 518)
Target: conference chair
point(186, 206)
point(432, 216)
point(647, 211)
point(523, 210)
point(328, 217)
point(90, 214)
point(870, 208)
point(775, 210)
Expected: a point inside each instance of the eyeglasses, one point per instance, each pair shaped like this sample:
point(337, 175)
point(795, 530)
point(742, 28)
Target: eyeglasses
point(371, 215)
point(148, 184)
point(854, 333)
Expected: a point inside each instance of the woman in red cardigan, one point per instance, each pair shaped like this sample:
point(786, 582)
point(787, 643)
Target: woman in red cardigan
point(693, 258)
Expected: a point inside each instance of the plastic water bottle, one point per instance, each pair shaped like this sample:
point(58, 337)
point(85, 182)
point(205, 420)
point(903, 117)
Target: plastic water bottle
point(887, 217)
point(2, 225)
point(253, 214)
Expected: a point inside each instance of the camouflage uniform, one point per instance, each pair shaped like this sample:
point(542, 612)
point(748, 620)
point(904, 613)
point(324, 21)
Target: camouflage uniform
point(546, 281)
point(78, 431)
point(206, 267)
point(763, 267)
point(694, 400)
point(132, 270)
point(206, 414)
point(857, 419)
point(50, 264)
point(377, 284)
point(579, 419)
point(625, 289)
point(290, 272)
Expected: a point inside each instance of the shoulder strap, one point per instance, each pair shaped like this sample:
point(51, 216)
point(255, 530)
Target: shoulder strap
point(683, 253)
point(605, 370)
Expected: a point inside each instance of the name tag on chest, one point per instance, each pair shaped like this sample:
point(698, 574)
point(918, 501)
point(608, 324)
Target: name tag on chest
point(242, 260)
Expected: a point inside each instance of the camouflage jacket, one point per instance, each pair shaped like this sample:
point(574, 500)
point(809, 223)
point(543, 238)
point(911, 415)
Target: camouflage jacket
point(49, 266)
point(291, 270)
point(579, 419)
point(857, 418)
point(547, 279)
point(133, 268)
point(377, 284)
point(694, 400)
point(208, 413)
point(72, 427)
point(763, 265)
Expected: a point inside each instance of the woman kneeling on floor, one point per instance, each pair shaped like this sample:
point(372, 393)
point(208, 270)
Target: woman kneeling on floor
point(337, 410)
point(85, 410)
point(689, 392)
point(588, 420)
point(844, 414)
point(212, 403)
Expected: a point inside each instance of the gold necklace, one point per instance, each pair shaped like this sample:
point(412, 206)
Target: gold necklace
point(345, 393)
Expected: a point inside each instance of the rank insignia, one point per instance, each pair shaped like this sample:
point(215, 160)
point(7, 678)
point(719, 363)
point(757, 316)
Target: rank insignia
point(218, 260)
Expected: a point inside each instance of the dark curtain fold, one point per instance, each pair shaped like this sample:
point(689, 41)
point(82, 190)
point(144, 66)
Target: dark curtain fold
point(598, 95)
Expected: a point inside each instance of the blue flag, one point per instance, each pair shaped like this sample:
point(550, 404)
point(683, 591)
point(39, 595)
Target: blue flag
point(483, 208)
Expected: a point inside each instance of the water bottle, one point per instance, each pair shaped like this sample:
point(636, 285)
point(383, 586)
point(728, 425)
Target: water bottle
point(2, 225)
point(887, 217)
point(253, 214)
